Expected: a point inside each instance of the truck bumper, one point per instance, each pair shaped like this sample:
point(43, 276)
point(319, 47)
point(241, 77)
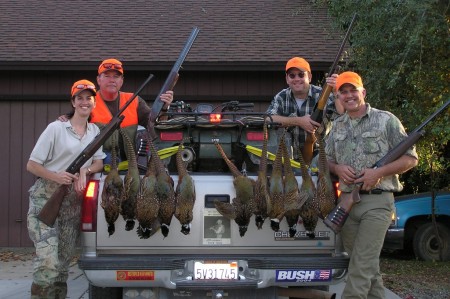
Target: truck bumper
point(394, 239)
point(177, 272)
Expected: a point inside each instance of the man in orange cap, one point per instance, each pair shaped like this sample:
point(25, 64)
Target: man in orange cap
point(56, 148)
point(293, 106)
point(109, 98)
point(357, 140)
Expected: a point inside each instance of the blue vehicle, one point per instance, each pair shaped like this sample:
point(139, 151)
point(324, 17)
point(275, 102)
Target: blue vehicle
point(412, 227)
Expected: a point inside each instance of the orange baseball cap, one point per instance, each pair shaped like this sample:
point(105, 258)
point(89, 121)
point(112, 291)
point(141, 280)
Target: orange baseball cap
point(81, 85)
point(299, 63)
point(349, 78)
point(110, 64)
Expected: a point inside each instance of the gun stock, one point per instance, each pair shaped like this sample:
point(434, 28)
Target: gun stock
point(337, 217)
point(318, 111)
point(50, 210)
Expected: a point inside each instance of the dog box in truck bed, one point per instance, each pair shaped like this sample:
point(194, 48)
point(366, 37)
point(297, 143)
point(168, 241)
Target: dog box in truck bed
point(213, 260)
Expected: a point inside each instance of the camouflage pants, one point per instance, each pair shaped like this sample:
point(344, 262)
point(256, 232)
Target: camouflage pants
point(55, 245)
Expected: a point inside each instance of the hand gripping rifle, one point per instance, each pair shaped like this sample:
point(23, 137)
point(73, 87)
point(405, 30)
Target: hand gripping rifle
point(50, 211)
point(317, 114)
point(336, 219)
point(169, 83)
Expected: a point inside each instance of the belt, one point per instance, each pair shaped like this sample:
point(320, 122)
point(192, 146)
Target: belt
point(373, 191)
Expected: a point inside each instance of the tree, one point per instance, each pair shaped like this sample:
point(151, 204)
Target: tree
point(401, 49)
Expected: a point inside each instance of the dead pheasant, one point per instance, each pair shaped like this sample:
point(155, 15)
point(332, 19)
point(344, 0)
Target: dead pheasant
point(325, 195)
point(293, 201)
point(147, 205)
point(112, 190)
point(276, 189)
point(262, 198)
point(164, 191)
point(185, 195)
point(309, 210)
point(131, 185)
point(241, 209)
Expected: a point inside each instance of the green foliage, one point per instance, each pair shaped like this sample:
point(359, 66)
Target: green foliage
point(401, 49)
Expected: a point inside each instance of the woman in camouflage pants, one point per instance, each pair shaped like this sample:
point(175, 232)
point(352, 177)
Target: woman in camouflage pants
point(56, 148)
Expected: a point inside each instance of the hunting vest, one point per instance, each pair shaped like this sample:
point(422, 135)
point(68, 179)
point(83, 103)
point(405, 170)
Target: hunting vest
point(101, 116)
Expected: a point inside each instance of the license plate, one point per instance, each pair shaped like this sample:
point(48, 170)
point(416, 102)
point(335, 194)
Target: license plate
point(208, 271)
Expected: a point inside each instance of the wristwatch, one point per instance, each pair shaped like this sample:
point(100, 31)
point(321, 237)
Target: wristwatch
point(89, 172)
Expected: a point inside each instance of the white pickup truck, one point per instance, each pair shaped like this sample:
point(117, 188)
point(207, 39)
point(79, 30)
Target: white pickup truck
point(208, 262)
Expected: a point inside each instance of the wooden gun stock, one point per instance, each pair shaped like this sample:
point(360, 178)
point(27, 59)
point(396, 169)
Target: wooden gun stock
point(50, 210)
point(317, 115)
point(336, 219)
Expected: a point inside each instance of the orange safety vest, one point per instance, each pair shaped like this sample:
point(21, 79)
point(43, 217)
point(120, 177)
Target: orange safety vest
point(102, 115)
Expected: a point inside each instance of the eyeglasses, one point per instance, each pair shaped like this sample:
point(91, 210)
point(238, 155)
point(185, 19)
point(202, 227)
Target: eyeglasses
point(114, 66)
point(85, 86)
point(300, 75)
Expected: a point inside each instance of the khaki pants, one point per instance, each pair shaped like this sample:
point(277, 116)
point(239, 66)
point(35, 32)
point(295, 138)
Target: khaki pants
point(363, 236)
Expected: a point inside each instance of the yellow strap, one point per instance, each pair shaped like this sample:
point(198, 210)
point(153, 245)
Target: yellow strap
point(162, 153)
point(258, 152)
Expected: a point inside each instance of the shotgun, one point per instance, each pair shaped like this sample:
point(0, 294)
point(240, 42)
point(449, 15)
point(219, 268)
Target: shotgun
point(336, 219)
point(50, 210)
point(169, 84)
point(317, 115)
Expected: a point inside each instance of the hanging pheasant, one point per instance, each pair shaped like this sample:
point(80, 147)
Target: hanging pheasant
point(293, 200)
point(185, 195)
point(241, 209)
point(131, 185)
point(164, 191)
point(325, 195)
point(309, 210)
point(262, 198)
point(147, 205)
point(276, 189)
point(112, 190)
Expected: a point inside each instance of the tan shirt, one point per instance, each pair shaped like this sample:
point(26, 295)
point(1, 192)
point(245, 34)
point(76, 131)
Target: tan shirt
point(59, 145)
point(360, 143)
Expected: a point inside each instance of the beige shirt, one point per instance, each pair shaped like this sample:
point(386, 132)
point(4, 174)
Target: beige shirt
point(59, 145)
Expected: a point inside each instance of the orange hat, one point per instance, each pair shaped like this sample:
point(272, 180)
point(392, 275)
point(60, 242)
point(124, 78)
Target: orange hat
point(81, 85)
point(298, 63)
point(350, 78)
point(110, 64)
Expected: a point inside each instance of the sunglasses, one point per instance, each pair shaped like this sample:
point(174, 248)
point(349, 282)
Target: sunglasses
point(114, 66)
point(85, 86)
point(300, 75)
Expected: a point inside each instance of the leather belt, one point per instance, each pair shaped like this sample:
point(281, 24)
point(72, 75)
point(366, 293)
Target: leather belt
point(373, 191)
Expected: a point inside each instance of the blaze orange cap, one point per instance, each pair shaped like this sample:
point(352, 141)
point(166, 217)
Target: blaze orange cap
point(81, 85)
point(110, 64)
point(299, 63)
point(349, 78)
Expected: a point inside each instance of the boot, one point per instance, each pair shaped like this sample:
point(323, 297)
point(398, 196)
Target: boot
point(41, 292)
point(60, 290)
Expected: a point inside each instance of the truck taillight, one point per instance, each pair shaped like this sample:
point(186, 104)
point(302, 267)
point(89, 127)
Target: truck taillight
point(171, 136)
point(89, 207)
point(215, 117)
point(255, 136)
point(336, 187)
